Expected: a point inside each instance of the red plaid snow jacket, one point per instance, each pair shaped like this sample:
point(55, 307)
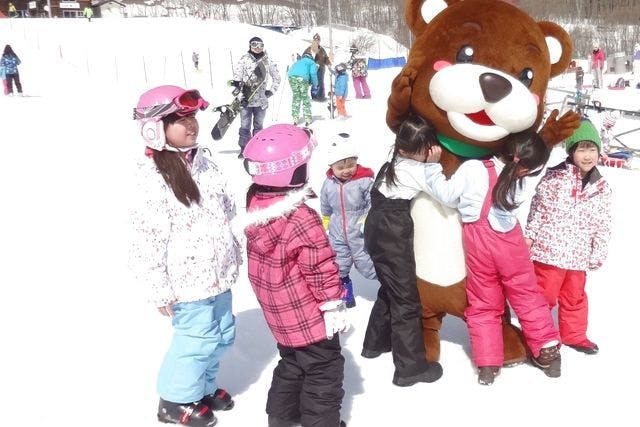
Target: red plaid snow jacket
point(291, 266)
point(570, 225)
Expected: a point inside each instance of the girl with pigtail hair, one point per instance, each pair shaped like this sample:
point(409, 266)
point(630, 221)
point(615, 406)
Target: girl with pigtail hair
point(486, 193)
point(395, 323)
point(520, 151)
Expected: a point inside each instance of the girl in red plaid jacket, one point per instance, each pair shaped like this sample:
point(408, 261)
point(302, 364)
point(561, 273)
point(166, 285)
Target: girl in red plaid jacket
point(294, 275)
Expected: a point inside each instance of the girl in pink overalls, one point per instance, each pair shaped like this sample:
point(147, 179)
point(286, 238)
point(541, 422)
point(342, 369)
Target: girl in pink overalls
point(496, 255)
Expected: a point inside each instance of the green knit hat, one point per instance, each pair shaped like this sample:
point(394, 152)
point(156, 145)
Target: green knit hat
point(585, 132)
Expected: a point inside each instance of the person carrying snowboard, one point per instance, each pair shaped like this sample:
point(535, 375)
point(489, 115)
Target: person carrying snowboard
point(251, 75)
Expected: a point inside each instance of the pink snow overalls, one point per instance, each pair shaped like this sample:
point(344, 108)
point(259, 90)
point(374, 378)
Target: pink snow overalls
point(498, 266)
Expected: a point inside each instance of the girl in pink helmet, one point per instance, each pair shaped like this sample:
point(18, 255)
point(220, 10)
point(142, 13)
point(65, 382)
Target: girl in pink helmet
point(185, 253)
point(294, 275)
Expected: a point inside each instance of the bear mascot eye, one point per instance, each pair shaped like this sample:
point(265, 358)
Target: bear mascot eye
point(465, 55)
point(526, 77)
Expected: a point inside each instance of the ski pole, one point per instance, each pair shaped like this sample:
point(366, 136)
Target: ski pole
point(280, 101)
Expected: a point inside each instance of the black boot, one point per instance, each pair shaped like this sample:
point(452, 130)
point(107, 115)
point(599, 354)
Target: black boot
point(281, 422)
point(219, 401)
point(431, 374)
point(194, 414)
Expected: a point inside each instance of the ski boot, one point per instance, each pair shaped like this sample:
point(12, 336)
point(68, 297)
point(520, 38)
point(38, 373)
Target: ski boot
point(219, 401)
point(194, 414)
point(349, 299)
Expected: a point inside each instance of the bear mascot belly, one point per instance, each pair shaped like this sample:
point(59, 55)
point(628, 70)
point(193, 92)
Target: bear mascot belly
point(478, 71)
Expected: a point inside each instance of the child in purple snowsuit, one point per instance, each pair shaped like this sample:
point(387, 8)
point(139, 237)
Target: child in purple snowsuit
point(345, 199)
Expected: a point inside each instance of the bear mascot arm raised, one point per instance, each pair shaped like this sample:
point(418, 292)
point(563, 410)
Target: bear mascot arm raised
point(478, 71)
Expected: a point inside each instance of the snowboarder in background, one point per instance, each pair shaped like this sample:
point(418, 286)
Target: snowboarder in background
point(597, 64)
point(322, 59)
point(196, 59)
point(359, 72)
point(302, 73)
point(251, 74)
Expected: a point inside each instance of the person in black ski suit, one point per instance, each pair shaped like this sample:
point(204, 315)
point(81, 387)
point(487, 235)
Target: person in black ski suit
point(395, 321)
point(251, 73)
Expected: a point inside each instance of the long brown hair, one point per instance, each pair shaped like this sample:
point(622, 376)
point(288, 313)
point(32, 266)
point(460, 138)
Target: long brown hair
point(525, 149)
point(414, 134)
point(173, 169)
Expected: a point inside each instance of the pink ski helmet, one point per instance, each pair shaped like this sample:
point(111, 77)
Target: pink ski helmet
point(159, 102)
point(274, 154)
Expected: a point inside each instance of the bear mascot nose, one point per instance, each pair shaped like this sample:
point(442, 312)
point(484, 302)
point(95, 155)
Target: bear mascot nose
point(494, 87)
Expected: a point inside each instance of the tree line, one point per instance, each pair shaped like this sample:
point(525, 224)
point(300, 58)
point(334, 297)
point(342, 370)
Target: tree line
point(614, 24)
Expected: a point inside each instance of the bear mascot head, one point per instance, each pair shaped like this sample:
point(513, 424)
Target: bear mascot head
point(478, 71)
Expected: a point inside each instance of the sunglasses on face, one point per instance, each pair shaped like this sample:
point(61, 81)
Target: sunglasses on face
point(187, 103)
point(256, 45)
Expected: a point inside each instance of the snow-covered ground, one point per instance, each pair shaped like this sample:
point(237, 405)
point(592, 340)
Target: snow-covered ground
point(79, 344)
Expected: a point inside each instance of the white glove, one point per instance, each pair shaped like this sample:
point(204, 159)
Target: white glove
point(335, 317)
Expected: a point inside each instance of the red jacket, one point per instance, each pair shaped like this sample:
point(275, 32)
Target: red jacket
point(597, 59)
point(291, 265)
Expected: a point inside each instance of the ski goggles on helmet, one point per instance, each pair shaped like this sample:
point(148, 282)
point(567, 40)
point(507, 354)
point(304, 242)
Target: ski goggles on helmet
point(186, 103)
point(257, 44)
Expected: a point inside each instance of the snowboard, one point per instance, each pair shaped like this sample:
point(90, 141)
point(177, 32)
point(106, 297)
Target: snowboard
point(242, 95)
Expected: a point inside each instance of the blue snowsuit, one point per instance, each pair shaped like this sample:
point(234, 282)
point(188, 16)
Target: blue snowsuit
point(346, 203)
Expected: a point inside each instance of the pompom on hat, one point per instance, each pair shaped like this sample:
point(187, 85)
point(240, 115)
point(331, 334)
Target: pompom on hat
point(585, 132)
point(341, 148)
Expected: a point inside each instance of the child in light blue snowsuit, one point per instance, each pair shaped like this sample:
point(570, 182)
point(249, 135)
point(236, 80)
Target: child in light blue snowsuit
point(345, 199)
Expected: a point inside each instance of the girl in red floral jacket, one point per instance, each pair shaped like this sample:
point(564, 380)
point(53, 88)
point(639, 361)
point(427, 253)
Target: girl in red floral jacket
point(568, 232)
point(293, 272)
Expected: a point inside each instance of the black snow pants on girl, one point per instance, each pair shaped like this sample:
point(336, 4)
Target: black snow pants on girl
point(395, 322)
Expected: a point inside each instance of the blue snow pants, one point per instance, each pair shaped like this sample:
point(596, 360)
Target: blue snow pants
point(204, 330)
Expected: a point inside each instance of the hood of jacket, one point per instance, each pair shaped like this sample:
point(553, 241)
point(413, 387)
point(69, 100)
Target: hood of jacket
point(267, 215)
point(361, 172)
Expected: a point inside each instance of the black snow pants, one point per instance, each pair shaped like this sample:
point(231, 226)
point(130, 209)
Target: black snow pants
point(395, 322)
point(307, 384)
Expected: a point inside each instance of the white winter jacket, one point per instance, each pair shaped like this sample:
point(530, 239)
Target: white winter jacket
point(183, 253)
point(251, 69)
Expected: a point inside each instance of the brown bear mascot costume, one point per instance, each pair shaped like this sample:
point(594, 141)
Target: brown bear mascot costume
point(478, 71)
